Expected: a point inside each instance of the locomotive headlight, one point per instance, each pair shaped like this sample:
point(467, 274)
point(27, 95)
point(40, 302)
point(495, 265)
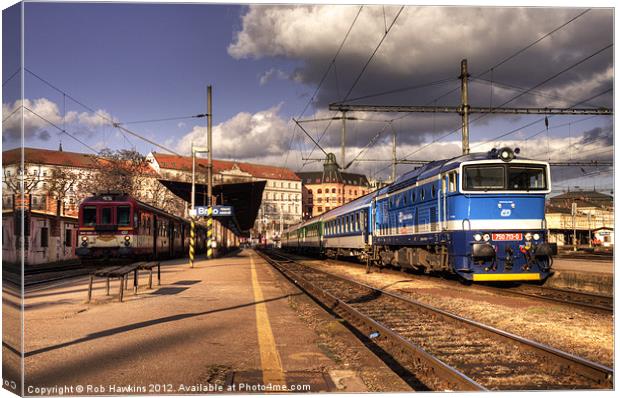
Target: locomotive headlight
point(477, 237)
point(84, 238)
point(486, 237)
point(127, 238)
point(536, 236)
point(528, 236)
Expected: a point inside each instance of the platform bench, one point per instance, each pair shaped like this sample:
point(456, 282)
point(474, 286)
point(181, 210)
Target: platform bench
point(149, 266)
point(121, 272)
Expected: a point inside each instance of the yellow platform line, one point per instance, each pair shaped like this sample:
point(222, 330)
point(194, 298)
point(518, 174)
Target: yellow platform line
point(269, 357)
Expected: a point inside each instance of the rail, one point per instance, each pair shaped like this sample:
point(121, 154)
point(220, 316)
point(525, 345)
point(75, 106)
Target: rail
point(444, 350)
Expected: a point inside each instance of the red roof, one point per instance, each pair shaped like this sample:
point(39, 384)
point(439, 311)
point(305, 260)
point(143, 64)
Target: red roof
point(174, 162)
point(46, 156)
point(60, 158)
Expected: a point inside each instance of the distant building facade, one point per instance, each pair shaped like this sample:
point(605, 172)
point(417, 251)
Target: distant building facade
point(282, 198)
point(593, 219)
point(330, 188)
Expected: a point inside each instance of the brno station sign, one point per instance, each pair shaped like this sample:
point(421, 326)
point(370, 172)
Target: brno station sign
point(218, 211)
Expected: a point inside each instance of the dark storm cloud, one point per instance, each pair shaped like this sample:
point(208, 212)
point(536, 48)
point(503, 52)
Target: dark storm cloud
point(600, 135)
point(427, 45)
point(43, 135)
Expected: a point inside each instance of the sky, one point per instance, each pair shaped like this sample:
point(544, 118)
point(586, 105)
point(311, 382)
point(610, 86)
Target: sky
point(88, 65)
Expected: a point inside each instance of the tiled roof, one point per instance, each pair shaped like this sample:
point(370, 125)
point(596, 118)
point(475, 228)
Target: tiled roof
point(50, 157)
point(61, 158)
point(184, 163)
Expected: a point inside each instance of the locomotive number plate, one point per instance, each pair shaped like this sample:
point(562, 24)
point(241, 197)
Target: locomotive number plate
point(508, 236)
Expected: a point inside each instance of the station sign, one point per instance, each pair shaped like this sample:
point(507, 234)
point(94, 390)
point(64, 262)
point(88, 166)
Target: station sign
point(218, 211)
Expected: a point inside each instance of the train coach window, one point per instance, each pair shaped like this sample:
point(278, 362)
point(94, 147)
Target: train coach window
point(422, 193)
point(433, 191)
point(122, 215)
point(412, 196)
point(90, 215)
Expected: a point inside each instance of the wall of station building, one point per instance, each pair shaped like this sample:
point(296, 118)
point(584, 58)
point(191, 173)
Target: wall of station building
point(48, 239)
point(320, 198)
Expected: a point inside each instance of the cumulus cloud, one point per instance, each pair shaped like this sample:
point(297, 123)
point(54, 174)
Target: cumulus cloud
point(427, 44)
point(39, 113)
point(271, 74)
point(33, 124)
point(244, 136)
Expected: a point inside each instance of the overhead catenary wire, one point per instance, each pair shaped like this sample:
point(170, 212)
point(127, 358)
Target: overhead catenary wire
point(359, 76)
point(332, 63)
point(61, 129)
point(11, 77)
point(493, 67)
point(357, 79)
point(540, 120)
point(113, 122)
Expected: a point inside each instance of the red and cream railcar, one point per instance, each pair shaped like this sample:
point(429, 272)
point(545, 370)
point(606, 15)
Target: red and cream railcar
point(117, 225)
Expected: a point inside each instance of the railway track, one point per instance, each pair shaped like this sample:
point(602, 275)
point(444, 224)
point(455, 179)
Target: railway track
point(589, 301)
point(584, 300)
point(444, 351)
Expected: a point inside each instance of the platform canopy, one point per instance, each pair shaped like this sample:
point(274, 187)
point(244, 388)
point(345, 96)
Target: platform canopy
point(244, 197)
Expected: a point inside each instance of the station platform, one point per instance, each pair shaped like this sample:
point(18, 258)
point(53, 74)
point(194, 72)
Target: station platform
point(231, 324)
point(594, 276)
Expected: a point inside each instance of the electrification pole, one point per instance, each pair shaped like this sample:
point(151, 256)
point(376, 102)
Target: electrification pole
point(343, 140)
point(210, 237)
point(394, 161)
point(464, 107)
point(192, 231)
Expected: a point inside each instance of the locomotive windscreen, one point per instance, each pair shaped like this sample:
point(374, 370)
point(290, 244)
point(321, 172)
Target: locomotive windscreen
point(504, 177)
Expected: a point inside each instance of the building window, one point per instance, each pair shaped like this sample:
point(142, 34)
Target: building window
point(333, 190)
point(68, 238)
point(44, 236)
point(319, 190)
point(319, 209)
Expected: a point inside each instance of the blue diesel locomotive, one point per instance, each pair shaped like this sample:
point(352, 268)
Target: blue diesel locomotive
point(480, 216)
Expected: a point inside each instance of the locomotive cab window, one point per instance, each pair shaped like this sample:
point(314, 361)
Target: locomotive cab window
point(512, 177)
point(122, 215)
point(483, 178)
point(526, 178)
point(90, 215)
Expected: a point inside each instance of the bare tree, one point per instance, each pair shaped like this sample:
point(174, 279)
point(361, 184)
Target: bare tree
point(128, 171)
